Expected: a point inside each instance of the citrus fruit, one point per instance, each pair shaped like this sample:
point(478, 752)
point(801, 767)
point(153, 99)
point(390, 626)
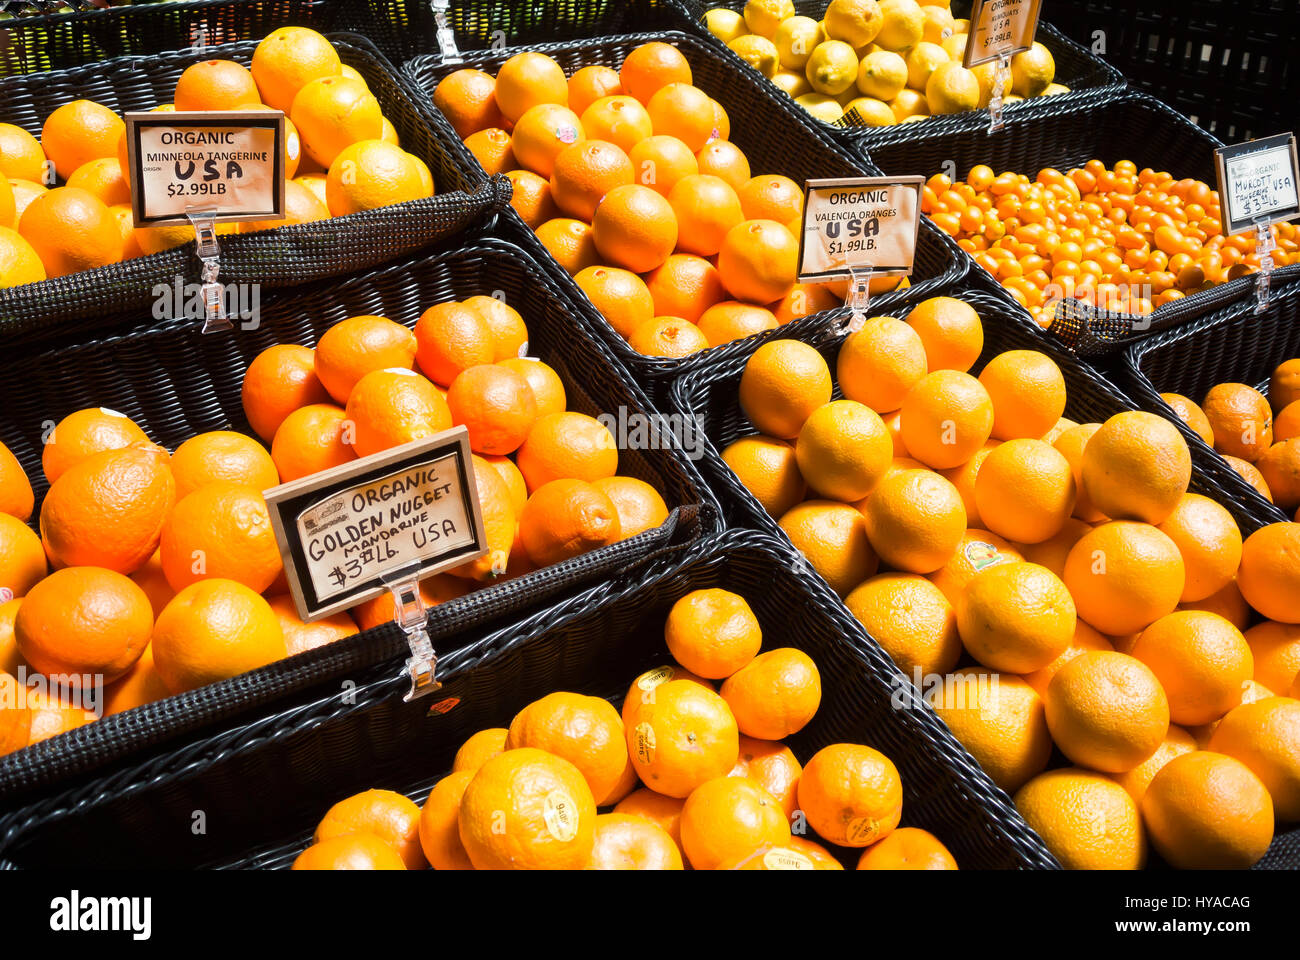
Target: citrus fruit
point(688, 287)
point(1209, 541)
point(589, 84)
point(907, 848)
point(351, 851)
point(1269, 576)
point(369, 174)
point(16, 497)
point(310, 439)
point(1027, 391)
point(494, 151)
point(662, 162)
point(1024, 490)
point(584, 172)
point(620, 296)
point(84, 433)
point(450, 338)
point(289, 58)
point(221, 455)
point(530, 195)
point(1190, 414)
point(915, 520)
point(712, 633)
point(843, 450)
point(19, 262)
point(351, 348)
point(1265, 736)
point(567, 445)
point(495, 404)
point(586, 731)
point(212, 630)
point(526, 80)
point(215, 85)
point(950, 332)
point(758, 261)
point(665, 812)
point(946, 418)
point(851, 794)
point(333, 112)
point(880, 364)
point(652, 66)
point(1280, 469)
point(668, 337)
point(1000, 719)
point(634, 228)
point(680, 737)
point(1087, 820)
point(1241, 420)
point(300, 636)
point(388, 408)
point(833, 538)
point(784, 381)
point(1124, 576)
point(775, 694)
point(1016, 617)
point(624, 841)
point(439, 824)
point(21, 156)
point(728, 817)
point(393, 818)
point(706, 209)
point(1107, 711)
point(280, 379)
point(1275, 651)
point(1201, 660)
point(542, 134)
point(221, 529)
point(547, 387)
point(479, 749)
point(620, 120)
point(1136, 467)
point(566, 518)
point(1071, 443)
point(71, 230)
point(467, 98)
point(76, 133)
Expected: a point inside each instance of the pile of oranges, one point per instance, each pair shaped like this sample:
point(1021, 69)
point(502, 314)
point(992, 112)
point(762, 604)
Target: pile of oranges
point(1045, 583)
point(157, 573)
point(691, 774)
point(341, 156)
point(1259, 436)
point(630, 182)
point(1122, 239)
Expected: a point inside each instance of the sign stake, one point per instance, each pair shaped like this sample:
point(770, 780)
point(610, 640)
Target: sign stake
point(859, 296)
point(209, 253)
point(1265, 246)
point(409, 614)
point(1001, 82)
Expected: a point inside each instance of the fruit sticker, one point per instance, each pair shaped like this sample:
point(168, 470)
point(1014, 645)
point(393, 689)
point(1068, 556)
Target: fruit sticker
point(783, 858)
point(981, 555)
point(1000, 28)
point(561, 816)
point(863, 222)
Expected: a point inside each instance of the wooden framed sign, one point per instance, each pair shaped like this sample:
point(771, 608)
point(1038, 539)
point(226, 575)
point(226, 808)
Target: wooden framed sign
point(859, 222)
point(1000, 28)
point(413, 508)
point(228, 163)
point(1257, 182)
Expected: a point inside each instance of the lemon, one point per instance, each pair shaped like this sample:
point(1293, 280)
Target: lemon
point(1032, 71)
point(909, 103)
point(882, 75)
point(793, 82)
point(961, 26)
point(832, 68)
point(856, 22)
point(764, 16)
point(922, 60)
point(795, 41)
point(872, 112)
point(955, 46)
point(903, 26)
point(952, 89)
point(758, 52)
point(938, 23)
point(1052, 89)
point(725, 24)
point(822, 107)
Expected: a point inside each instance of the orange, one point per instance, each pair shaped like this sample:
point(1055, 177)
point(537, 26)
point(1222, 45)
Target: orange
point(351, 348)
point(1136, 467)
point(546, 131)
point(153, 581)
point(775, 694)
point(950, 331)
point(758, 261)
point(911, 619)
point(586, 731)
point(1085, 640)
point(312, 438)
point(1107, 711)
point(21, 156)
point(727, 818)
point(526, 80)
point(1053, 552)
point(669, 337)
point(1241, 420)
point(662, 162)
point(16, 497)
point(222, 529)
point(1265, 736)
point(1250, 473)
point(566, 518)
point(620, 296)
point(369, 174)
point(300, 636)
point(280, 379)
point(19, 262)
point(1087, 821)
point(1062, 424)
point(962, 476)
point(681, 737)
point(509, 332)
point(618, 119)
point(494, 151)
point(547, 387)
point(393, 818)
point(138, 686)
point(531, 197)
point(880, 364)
point(1202, 661)
point(1177, 742)
point(1209, 541)
point(946, 418)
point(665, 812)
point(1275, 651)
point(22, 559)
point(452, 337)
point(804, 300)
point(479, 749)
point(1016, 617)
point(332, 113)
point(1269, 577)
point(686, 112)
point(635, 228)
point(1190, 414)
point(84, 433)
point(78, 132)
point(388, 408)
point(83, 620)
point(712, 633)
point(567, 445)
point(1024, 490)
point(1283, 385)
point(301, 206)
point(689, 287)
point(352, 851)
point(215, 85)
point(571, 242)
point(212, 630)
point(108, 510)
point(221, 455)
point(851, 794)
point(71, 230)
point(434, 590)
point(500, 523)
point(467, 98)
point(589, 84)
point(732, 320)
point(1204, 810)
point(288, 59)
point(639, 505)
point(797, 853)
point(843, 450)
point(997, 717)
point(774, 768)
point(584, 173)
point(624, 841)
point(131, 243)
point(833, 538)
point(104, 179)
point(724, 160)
point(1028, 393)
point(768, 469)
point(706, 209)
point(915, 520)
point(495, 404)
point(1227, 603)
point(783, 383)
point(652, 66)
point(1280, 468)
point(643, 687)
point(1071, 443)
point(439, 825)
point(771, 197)
point(1124, 576)
point(907, 848)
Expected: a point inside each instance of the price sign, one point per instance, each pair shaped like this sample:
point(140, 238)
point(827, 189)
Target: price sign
point(228, 162)
point(1257, 182)
point(1000, 28)
point(413, 508)
point(859, 222)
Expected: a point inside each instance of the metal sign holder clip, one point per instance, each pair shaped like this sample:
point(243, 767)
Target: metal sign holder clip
point(209, 252)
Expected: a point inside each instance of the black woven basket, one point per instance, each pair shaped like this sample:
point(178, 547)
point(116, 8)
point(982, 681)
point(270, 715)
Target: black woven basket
point(306, 758)
point(777, 137)
point(1225, 65)
point(78, 304)
point(175, 381)
point(711, 396)
point(1235, 345)
point(1131, 126)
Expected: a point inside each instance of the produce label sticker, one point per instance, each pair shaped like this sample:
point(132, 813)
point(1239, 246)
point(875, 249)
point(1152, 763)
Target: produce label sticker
point(1257, 182)
point(228, 162)
point(1000, 28)
point(859, 222)
point(413, 509)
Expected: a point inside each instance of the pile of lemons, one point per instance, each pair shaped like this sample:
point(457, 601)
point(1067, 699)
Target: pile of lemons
point(890, 61)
